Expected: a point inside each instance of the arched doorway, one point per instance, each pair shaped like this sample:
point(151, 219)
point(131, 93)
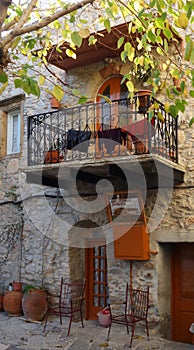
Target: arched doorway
point(114, 91)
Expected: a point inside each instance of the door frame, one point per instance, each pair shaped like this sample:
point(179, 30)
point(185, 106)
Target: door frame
point(174, 276)
point(88, 276)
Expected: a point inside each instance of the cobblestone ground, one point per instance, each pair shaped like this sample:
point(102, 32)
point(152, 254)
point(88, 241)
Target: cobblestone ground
point(18, 334)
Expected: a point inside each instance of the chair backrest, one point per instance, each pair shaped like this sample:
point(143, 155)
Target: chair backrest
point(137, 302)
point(71, 291)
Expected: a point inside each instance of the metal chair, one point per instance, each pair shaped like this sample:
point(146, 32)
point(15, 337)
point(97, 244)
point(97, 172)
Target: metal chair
point(70, 302)
point(134, 310)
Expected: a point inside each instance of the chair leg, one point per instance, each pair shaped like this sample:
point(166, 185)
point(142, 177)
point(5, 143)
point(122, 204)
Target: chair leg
point(45, 322)
point(61, 318)
point(147, 329)
point(127, 326)
point(68, 333)
point(132, 335)
point(109, 329)
point(81, 317)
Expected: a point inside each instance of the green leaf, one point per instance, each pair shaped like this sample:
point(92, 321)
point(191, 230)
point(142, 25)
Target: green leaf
point(189, 48)
point(3, 78)
point(3, 87)
point(159, 40)
point(191, 93)
point(71, 54)
point(173, 110)
point(175, 91)
point(76, 38)
point(160, 117)
point(41, 80)
point(165, 45)
point(151, 36)
point(159, 50)
point(167, 33)
point(84, 33)
point(130, 86)
point(105, 98)
point(123, 56)
point(92, 40)
point(15, 42)
point(183, 20)
point(120, 42)
point(160, 22)
point(18, 83)
point(82, 99)
point(35, 90)
point(107, 25)
point(191, 122)
point(58, 92)
point(72, 18)
point(26, 87)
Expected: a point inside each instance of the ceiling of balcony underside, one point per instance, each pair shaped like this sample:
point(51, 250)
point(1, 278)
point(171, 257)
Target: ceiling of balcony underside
point(146, 173)
point(105, 47)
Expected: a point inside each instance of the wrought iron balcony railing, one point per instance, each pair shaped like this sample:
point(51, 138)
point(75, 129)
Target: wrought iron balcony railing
point(110, 130)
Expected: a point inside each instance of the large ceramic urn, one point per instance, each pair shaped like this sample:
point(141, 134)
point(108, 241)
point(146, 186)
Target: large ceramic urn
point(34, 304)
point(12, 303)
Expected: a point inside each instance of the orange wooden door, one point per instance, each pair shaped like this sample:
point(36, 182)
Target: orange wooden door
point(182, 292)
point(114, 90)
point(96, 295)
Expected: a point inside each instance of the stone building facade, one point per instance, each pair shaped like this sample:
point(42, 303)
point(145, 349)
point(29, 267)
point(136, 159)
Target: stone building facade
point(32, 249)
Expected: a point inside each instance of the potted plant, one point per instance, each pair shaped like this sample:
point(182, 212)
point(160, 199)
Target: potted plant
point(54, 102)
point(53, 154)
point(17, 286)
point(34, 302)
point(138, 77)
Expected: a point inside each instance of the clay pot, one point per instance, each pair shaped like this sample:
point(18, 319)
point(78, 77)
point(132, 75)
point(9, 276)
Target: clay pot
point(12, 303)
point(143, 100)
point(141, 146)
point(17, 286)
point(54, 102)
point(34, 304)
point(53, 157)
point(1, 302)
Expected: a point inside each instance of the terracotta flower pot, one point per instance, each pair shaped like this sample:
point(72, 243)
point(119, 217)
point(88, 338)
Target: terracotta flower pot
point(34, 304)
point(54, 102)
point(53, 157)
point(12, 303)
point(143, 100)
point(17, 286)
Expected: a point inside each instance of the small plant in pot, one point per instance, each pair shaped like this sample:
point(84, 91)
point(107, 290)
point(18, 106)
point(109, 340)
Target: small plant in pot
point(139, 82)
point(34, 302)
point(53, 154)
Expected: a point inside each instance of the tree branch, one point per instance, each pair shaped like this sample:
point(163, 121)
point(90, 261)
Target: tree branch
point(7, 41)
point(26, 14)
point(3, 12)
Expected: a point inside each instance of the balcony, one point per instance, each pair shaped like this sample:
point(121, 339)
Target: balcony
point(119, 133)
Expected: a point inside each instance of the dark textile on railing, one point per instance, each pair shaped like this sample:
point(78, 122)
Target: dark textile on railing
point(78, 139)
point(116, 135)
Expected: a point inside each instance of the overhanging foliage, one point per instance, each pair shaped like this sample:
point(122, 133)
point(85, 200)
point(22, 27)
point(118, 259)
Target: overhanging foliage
point(38, 25)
